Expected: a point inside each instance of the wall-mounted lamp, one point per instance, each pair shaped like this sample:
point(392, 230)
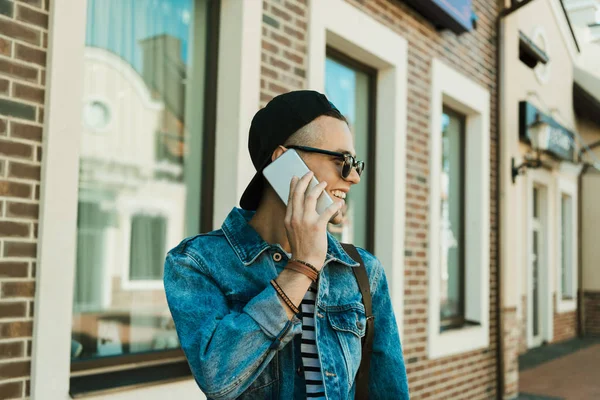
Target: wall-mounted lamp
point(539, 135)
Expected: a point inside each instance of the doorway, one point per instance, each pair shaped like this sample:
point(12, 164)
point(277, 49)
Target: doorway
point(538, 310)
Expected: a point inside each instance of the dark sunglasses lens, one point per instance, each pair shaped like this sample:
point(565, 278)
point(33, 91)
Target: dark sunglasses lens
point(347, 167)
point(360, 166)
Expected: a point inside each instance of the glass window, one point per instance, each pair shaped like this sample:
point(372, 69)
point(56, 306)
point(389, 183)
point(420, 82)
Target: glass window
point(147, 247)
point(566, 268)
point(348, 86)
point(141, 183)
point(452, 221)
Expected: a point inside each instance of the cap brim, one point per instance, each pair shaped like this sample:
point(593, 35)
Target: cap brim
point(253, 193)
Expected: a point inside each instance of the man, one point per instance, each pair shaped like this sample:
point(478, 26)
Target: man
point(236, 293)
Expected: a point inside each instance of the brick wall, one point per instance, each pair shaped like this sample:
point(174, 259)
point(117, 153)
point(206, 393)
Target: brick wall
point(592, 313)
point(523, 326)
point(284, 47)
point(471, 375)
point(565, 324)
point(23, 42)
point(511, 337)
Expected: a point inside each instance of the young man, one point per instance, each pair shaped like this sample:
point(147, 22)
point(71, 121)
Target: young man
point(268, 307)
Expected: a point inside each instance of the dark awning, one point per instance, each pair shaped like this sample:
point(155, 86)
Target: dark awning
point(530, 53)
point(456, 15)
point(586, 94)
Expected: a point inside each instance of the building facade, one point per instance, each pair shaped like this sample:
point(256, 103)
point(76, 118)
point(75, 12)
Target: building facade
point(585, 17)
point(547, 186)
point(123, 129)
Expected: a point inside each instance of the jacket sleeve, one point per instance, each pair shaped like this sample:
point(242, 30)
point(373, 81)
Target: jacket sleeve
point(387, 373)
point(226, 350)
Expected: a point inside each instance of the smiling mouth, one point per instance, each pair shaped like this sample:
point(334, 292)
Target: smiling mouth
point(338, 194)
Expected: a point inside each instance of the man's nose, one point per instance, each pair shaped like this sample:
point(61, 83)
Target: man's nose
point(354, 177)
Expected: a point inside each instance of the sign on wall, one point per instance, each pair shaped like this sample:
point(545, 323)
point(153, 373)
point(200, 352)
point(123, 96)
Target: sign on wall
point(456, 15)
point(562, 140)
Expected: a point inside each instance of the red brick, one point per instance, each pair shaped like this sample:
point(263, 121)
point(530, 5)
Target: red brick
point(26, 131)
point(14, 189)
point(4, 88)
point(17, 329)
point(19, 31)
point(18, 289)
point(16, 369)
point(30, 54)
point(294, 8)
point(5, 46)
point(279, 13)
point(22, 210)
point(31, 16)
point(11, 350)
point(270, 47)
point(294, 57)
point(18, 71)
point(14, 309)
point(15, 149)
point(20, 249)
point(280, 64)
point(277, 88)
point(29, 93)
point(13, 269)
point(268, 72)
point(14, 229)
point(294, 33)
point(23, 171)
point(302, 25)
point(280, 39)
point(11, 390)
point(34, 3)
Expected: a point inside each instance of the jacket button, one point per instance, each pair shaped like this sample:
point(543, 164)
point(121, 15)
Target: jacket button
point(299, 371)
point(276, 257)
point(359, 325)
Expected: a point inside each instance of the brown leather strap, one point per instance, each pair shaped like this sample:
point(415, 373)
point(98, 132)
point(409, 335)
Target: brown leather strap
point(302, 269)
point(362, 377)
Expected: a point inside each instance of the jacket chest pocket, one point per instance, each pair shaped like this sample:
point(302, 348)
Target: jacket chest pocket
point(349, 327)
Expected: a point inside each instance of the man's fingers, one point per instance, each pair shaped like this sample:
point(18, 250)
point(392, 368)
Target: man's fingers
point(313, 195)
point(290, 207)
point(331, 211)
point(299, 193)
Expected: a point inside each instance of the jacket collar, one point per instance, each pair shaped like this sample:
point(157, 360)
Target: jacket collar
point(248, 244)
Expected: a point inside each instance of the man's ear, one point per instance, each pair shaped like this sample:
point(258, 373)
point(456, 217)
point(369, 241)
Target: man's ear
point(278, 152)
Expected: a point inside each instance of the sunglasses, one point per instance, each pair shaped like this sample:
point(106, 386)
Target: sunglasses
point(349, 160)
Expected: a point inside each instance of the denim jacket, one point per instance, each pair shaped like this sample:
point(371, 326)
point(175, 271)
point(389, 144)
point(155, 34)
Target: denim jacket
point(235, 332)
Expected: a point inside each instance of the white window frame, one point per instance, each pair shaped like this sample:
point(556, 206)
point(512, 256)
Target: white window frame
point(452, 89)
point(543, 179)
point(334, 23)
point(568, 185)
point(238, 99)
point(126, 220)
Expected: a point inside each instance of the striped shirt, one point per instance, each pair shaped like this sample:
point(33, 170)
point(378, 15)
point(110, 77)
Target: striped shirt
point(310, 357)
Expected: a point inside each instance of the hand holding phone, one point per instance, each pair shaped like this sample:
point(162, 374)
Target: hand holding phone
point(309, 207)
point(280, 172)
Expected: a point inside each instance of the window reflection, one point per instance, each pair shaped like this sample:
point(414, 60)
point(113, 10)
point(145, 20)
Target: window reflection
point(139, 185)
point(452, 220)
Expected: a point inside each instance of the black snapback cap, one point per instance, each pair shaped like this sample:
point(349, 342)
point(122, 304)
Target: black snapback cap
point(272, 126)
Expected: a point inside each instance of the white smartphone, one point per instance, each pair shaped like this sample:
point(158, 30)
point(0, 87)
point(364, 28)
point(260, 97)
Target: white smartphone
point(280, 172)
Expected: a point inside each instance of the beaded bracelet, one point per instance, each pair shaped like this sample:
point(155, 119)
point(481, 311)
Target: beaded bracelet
point(309, 265)
point(286, 299)
point(302, 269)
